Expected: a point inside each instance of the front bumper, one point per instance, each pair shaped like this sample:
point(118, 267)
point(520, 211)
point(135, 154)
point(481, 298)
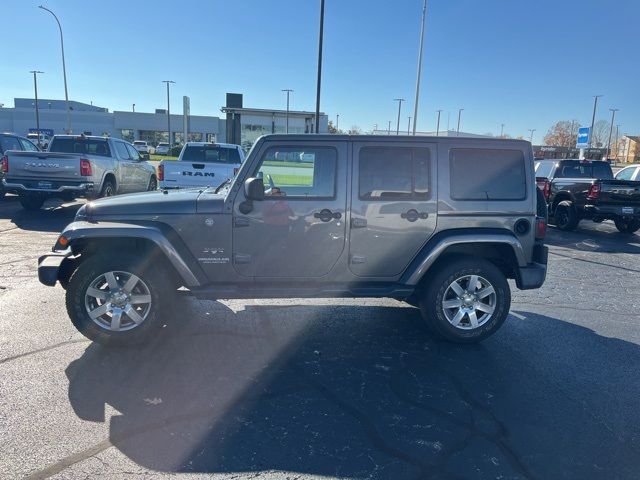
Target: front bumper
point(49, 266)
point(535, 273)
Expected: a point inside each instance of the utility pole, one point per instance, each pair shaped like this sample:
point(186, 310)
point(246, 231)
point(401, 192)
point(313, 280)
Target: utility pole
point(617, 142)
point(169, 112)
point(438, 123)
point(320, 38)
point(531, 136)
point(64, 70)
point(417, 98)
point(459, 115)
point(399, 100)
point(287, 121)
point(35, 87)
point(501, 130)
point(613, 116)
point(593, 119)
point(337, 121)
point(133, 107)
point(409, 126)
point(389, 128)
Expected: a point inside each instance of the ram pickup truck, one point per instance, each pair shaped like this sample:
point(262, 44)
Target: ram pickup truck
point(201, 165)
point(578, 189)
point(76, 166)
point(340, 216)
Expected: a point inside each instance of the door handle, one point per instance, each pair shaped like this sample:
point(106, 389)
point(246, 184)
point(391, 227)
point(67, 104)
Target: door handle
point(413, 215)
point(327, 215)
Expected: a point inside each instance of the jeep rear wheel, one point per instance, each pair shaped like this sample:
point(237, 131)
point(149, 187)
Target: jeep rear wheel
point(466, 301)
point(113, 300)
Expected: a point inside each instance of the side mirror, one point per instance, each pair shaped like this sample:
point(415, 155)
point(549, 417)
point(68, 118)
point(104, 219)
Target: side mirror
point(254, 189)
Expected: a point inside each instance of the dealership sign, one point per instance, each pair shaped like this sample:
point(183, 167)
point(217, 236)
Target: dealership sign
point(44, 131)
point(584, 133)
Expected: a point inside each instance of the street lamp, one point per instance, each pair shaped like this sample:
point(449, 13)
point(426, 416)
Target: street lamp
point(459, 115)
point(531, 130)
point(409, 125)
point(399, 100)
point(437, 123)
point(389, 128)
point(415, 102)
point(320, 37)
point(501, 130)
point(613, 116)
point(35, 87)
point(593, 119)
point(64, 70)
point(169, 113)
point(133, 107)
point(287, 121)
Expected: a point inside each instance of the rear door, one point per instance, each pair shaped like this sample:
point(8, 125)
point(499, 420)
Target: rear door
point(298, 230)
point(393, 205)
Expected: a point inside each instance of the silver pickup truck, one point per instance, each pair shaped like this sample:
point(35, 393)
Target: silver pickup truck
point(77, 166)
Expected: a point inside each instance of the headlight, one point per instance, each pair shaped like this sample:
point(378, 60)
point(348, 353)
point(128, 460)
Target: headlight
point(81, 214)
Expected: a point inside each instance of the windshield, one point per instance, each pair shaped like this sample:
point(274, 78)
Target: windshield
point(89, 146)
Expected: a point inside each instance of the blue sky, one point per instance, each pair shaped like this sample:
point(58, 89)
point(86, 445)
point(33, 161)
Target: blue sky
point(525, 64)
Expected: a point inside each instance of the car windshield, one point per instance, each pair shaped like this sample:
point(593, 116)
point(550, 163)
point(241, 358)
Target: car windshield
point(89, 146)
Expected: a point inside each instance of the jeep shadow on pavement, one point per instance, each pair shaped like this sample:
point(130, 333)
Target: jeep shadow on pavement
point(439, 222)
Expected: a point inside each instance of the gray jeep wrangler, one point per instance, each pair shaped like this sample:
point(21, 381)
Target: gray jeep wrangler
point(438, 222)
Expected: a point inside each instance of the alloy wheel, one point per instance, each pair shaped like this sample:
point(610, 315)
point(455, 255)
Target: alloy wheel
point(469, 302)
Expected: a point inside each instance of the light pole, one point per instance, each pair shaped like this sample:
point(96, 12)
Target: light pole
point(287, 121)
point(399, 100)
point(389, 128)
point(593, 118)
point(415, 102)
point(337, 121)
point(531, 130)
point(459, 115)
point(613, 116)
point(409, 125)
point(35, 87)
point(133, 107)
point(617, 142)
point(320, 37)
point(168, 112)
point(501, 130)
point(64, 69)
point(437, 123)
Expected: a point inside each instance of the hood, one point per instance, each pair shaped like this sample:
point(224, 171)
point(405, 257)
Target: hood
point(147, 203)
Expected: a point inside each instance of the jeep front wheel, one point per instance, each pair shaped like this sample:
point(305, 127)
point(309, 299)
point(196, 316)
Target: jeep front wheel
point(466, 301)
point(113, 300)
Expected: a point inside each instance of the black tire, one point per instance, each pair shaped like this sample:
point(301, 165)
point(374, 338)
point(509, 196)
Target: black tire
point(31, 202)
point(155, 286)
point(627, 226)
point(2, 192)
point(565, 216)
point(108, 189)
point(436, 316)
point(153, 184)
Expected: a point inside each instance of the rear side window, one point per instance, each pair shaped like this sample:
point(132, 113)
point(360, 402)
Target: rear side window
point(28, 146)
point(487, 174)
point(393, 173)
point(211, 154)
point(121, 148)
point(544, 169)
point(9, 143)
point(87, 146)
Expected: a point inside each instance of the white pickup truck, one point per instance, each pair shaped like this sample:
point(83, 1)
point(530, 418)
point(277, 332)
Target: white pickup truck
point(201, 165)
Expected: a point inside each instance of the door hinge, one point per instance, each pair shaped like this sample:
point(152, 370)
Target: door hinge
point(240, 222)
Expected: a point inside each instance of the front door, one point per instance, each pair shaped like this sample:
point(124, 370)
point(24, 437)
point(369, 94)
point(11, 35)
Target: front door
point(393, 205)
point(126, 168)
point(298, 230)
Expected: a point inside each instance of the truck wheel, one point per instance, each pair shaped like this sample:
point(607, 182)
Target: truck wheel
point(113, 300)
point(31, 202)
point(153, 184)
point(108, 189)
point(565, 216)
point(466, 301)
point(627, 226)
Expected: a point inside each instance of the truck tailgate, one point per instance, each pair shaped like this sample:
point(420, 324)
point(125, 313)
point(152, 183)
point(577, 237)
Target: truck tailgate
point(178, 174)
point(43, 166)
point(619, 192)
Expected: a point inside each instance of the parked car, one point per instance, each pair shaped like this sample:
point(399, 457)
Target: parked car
point(631, 172)
point(9, 141)
point(584, 189)
point(162, 148)
point(41, 141)
point(77, 166)
point(143, 147)
point(438, 222)
point(200, 165)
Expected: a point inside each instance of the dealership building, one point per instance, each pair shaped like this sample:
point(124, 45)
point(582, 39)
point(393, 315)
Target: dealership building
point(237, 124)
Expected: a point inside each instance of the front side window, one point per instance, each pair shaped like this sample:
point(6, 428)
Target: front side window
point(9, 143)
point(625, 173)
point(394, 173)
point(307, 172)
point(487, 174)
point(133, 153)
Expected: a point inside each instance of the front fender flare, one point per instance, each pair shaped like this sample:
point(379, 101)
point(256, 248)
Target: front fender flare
point(82, 230)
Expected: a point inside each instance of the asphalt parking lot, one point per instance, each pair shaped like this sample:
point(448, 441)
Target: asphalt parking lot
point(342, 388)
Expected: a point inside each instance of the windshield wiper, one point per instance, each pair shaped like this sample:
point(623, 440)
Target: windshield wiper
point(219, 187)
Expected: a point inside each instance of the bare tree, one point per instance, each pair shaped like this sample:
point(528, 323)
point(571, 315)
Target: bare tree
point(355, 130)
point(562, 134)
point(600, 134)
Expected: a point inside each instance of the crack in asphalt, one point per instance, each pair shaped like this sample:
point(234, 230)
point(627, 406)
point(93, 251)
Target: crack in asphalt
point(43, 349)
point(594, 262)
